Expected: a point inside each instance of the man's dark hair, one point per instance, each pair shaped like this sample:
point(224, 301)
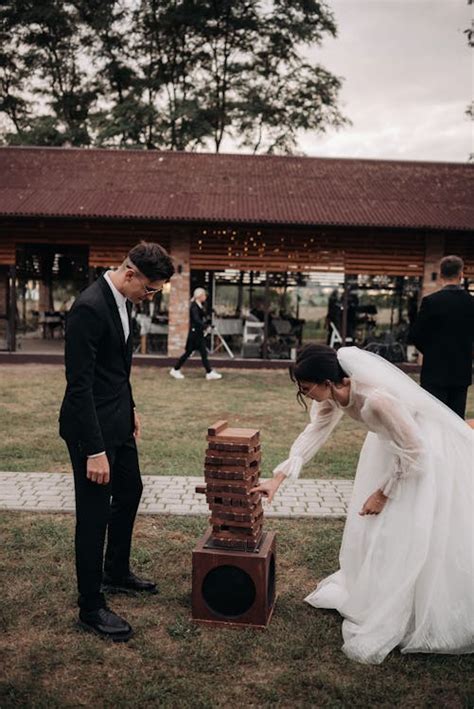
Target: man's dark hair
point(152, 260)
point(451, 266)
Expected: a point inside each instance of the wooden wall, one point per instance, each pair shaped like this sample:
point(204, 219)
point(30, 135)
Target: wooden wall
point(108, 242)
point(353, 250)
point(285, 249)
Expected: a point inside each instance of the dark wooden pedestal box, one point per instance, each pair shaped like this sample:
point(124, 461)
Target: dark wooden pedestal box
point(234, 587)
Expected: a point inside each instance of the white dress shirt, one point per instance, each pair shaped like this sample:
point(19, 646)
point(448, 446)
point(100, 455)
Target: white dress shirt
point(121, 301)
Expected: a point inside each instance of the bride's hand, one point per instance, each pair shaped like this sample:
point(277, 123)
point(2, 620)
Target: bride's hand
point(268, 488)
point(374, 504)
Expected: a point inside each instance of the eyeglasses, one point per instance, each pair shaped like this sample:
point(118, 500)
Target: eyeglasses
point(147, 290)
point(307, 394)
point(151, 291)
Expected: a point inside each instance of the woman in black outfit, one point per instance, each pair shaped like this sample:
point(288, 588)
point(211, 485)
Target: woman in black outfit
point(196, 341)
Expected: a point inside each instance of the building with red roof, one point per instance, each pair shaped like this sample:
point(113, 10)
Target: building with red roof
point(254, 221)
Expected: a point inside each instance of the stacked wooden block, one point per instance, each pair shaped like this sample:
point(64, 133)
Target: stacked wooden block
point(231, 470)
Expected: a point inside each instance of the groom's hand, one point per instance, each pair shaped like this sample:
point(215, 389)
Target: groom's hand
point(374, 504)
point(98, 469)
point(138, 425)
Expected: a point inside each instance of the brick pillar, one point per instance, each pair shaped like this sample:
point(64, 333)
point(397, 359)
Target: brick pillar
point(179, 294)
point(434, 252)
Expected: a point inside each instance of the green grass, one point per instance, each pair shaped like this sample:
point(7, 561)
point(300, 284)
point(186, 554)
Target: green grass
point(296, 662)
point(175, 416)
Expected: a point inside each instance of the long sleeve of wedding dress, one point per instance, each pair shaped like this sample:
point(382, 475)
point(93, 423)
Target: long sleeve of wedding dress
point(385, 415)
point(324, 417)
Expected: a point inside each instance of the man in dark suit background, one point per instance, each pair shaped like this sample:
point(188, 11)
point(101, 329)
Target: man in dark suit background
point(99, 423)
point(444, 332)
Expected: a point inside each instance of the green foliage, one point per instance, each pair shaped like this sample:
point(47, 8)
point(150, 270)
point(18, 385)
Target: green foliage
point(165, 73)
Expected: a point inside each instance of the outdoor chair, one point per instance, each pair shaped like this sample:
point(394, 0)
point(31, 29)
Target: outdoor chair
point(252, 338)
point(336, 337)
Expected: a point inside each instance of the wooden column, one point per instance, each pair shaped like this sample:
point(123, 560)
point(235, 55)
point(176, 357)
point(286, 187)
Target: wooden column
point(266, 321)
point(11, 331)
point(434, 252)
point(345, 305)
point(179, 294)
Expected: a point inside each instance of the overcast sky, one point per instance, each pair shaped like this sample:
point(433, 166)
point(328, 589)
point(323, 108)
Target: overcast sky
point(408, 79)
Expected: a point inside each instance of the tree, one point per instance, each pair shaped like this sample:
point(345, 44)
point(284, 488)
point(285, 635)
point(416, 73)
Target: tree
point(40, 68)
point(176, 74)
point(470, 41)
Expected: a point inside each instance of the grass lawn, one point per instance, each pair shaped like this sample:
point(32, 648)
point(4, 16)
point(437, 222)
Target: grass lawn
point(175, 416)
point(297, 662)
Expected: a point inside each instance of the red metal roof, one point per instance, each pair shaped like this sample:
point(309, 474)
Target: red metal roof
point(174, 186)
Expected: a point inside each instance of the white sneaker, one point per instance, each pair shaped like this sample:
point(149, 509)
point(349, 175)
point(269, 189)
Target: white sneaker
point(176, 374)
point(213, 375)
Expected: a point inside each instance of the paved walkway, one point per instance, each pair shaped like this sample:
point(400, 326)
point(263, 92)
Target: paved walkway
point(164, 494)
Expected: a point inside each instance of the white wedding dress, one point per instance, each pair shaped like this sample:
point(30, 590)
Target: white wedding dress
point(406, 576)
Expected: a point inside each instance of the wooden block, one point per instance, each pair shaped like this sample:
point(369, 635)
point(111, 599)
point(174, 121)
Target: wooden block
point(228, 498)
point(247, 436)
point(219, 475)
point(236, 545)
point(248, 516)
point(237, 460)
point(237, 533)
point(240, 476)
point(236, 511)
point(231, 448)
point(250, 470)
point(216, 428)
point(231, 521)
point(232, 454)
point(234, 487)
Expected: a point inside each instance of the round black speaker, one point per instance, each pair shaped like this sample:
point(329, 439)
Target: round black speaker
point(228, 591)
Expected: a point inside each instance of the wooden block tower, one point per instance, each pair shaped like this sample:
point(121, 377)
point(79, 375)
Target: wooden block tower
point(234, 563)
point(231, 470)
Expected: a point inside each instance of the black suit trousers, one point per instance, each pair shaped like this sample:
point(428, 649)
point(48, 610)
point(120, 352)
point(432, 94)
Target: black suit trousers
point(454, 397)
point(193, 343)
point(104, 509)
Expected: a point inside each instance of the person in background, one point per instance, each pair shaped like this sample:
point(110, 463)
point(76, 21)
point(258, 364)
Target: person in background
point(444, 332)
point(334, 314)
point(196, 337)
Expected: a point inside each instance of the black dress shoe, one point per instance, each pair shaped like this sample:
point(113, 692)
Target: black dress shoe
point(106, 623)
point(128, 583)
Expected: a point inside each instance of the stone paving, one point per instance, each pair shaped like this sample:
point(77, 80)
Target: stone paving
point(174, 495)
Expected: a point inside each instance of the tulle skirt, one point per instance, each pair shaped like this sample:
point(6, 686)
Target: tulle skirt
point(406, 576)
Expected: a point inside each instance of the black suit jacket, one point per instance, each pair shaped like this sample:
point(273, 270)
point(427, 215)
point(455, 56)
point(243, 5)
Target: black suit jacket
point(197, 319)
point(97, 409)
point(444, 333)
point(197, 325)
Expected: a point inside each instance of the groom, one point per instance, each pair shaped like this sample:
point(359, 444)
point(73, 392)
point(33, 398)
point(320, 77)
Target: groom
point(444, 333)
point(100, 425)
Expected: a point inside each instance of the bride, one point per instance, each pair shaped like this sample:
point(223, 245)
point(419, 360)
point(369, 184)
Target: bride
point(406, 574)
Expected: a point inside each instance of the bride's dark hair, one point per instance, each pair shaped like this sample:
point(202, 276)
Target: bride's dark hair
point(316, 364)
